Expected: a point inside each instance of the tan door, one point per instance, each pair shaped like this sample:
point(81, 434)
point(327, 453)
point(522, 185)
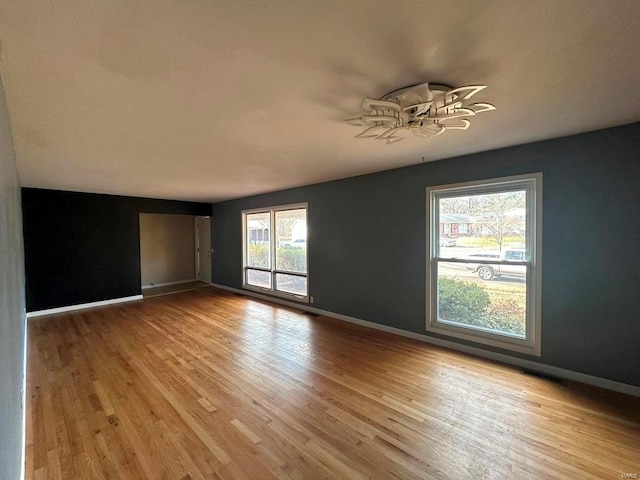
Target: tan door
point(203, 253)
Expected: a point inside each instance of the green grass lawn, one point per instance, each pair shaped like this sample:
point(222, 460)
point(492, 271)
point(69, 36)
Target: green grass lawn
point(484, 242)
point(499, 292)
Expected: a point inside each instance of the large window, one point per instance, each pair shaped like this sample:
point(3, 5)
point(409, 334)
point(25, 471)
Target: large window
point(485, 284)
point(275, 250)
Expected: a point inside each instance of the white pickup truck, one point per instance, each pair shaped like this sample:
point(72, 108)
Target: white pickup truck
point(490, 271)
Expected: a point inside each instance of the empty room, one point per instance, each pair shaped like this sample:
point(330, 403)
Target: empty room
point(319, 239)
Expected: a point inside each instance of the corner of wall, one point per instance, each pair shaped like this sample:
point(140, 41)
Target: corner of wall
point(12, 305)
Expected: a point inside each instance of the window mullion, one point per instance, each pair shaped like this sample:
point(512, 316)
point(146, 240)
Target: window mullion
point(483, 261)
point(259, 269)
point(290, 272)
point(272, 242)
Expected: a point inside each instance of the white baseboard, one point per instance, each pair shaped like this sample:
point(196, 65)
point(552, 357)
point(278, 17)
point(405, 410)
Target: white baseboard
point(51, 311)
point(499, 357)
point(24, 398)
point(166, 284)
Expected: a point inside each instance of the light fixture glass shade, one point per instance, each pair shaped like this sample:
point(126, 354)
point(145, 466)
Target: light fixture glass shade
point(427, 110)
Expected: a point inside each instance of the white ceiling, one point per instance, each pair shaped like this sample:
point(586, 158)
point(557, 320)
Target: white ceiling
point(210, 100)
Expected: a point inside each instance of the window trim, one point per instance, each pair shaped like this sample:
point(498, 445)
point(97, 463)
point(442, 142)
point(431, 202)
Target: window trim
point(531, 344)
point(273, 271)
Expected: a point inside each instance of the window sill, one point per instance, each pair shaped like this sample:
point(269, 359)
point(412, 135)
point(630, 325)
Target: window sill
point(505, 342)
point(275, 293)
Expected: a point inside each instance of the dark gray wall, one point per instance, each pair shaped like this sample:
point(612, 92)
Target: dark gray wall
point(367, 244)
point(85, 247)
point(12, 318)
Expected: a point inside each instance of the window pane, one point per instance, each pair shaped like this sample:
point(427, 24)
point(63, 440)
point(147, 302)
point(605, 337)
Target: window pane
point(291, 238)
point(491, 221)
point(259, 278)
point(483, 296)
point(291, 284)
point(258, 240)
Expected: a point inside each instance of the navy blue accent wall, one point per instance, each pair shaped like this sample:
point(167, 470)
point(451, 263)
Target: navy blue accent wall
point(84, 247)
point(367, 244)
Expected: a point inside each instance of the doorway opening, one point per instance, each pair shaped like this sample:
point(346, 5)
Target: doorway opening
point(173, 253)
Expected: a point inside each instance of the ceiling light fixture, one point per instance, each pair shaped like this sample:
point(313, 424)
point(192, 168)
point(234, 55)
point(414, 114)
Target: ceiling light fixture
point(427, 110)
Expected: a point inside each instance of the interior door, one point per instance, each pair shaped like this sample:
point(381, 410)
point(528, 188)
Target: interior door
point(203, 253)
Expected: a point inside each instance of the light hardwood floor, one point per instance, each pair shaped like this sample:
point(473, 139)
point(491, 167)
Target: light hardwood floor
point(207, 384)
point(171, 289)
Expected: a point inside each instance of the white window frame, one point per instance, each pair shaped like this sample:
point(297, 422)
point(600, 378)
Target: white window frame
point(531, 344)
point(273, 271)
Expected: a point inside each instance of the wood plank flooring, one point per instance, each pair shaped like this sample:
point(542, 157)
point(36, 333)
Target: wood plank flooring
point(206, 384)
point(170, 289)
